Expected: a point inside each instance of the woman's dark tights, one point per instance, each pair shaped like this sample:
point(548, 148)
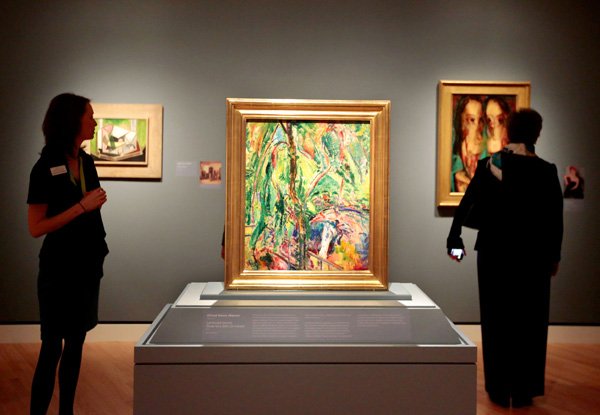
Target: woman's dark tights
point(42, 388)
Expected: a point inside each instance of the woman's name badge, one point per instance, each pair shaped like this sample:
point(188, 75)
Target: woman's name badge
point(56, 170)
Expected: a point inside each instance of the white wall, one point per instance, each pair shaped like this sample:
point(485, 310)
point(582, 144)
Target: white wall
point(190, 55)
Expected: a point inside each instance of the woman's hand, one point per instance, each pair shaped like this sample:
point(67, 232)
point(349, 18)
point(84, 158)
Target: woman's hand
point(93, 200)
point(40, 224)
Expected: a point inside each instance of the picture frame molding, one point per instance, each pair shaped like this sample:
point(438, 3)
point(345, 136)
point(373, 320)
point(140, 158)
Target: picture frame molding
point(153, 113)
point(446, 90)
point(239, 112)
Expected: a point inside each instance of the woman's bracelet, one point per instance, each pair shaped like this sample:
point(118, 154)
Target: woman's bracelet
point(84, 210)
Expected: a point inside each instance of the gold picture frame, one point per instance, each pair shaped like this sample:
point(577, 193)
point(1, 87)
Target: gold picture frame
point(305, 236)
point(127, 143)
point(478, 109)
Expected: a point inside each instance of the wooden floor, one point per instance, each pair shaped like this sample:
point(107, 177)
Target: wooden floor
point(106, 382)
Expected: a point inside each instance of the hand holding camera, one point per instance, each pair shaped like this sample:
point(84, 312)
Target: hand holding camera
point(456, 254)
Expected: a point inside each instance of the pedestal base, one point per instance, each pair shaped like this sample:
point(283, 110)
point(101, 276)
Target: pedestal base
point(201, 357)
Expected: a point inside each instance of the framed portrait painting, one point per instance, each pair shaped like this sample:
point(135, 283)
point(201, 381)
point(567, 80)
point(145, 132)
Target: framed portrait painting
point(127, 143)
point(471, 126)
point(307, 194)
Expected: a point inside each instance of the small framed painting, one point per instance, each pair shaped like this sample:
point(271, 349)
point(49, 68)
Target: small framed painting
point(210, 173)
point(127, 143)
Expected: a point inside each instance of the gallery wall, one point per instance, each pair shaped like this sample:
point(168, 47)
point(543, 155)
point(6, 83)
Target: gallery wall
point(190, 56)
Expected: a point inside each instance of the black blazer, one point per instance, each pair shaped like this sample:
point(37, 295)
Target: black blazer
point(523, 213)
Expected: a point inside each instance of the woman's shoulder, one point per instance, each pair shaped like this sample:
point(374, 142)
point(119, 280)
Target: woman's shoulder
point(52, 156)
point(546, 165)
point(40, 166)
point(48, 159)
point(526, 159)
point(535, 167)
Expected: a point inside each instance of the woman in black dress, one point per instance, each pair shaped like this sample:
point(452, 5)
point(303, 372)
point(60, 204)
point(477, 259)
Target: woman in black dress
point(64, 205)
point(515, 201)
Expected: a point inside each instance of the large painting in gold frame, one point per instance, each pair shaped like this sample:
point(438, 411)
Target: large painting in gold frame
point(127, 143)
point(471, 117)
point(307, 194)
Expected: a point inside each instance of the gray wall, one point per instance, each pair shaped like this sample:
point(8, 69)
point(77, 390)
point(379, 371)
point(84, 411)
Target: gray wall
point(189, 56)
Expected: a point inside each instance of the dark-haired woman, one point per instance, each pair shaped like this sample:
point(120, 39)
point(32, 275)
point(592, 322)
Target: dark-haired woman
point(64, 205)
point(515, 201)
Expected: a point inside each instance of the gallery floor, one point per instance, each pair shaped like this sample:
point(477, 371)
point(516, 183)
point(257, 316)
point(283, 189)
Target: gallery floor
point(106, 382)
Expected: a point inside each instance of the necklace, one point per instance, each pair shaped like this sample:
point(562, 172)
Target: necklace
point(76, 165)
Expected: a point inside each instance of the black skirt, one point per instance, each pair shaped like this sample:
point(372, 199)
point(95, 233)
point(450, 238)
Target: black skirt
point(68, 298)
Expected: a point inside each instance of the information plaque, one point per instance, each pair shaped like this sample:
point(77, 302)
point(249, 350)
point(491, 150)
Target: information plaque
point(301, 325)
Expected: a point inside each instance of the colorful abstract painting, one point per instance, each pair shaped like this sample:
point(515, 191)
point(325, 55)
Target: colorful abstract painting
point(307, 195)
point(127, 143)
point(120, 140)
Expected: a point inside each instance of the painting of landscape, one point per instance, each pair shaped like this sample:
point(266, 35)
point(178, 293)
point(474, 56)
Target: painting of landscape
point(307, 195)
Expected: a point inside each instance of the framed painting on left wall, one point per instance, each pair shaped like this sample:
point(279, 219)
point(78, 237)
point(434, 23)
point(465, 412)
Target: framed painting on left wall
point(127, 143)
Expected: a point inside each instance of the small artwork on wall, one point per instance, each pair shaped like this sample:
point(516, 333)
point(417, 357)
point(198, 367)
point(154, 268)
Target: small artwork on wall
point(127, 143)
point(573, 181)
point(210, 173)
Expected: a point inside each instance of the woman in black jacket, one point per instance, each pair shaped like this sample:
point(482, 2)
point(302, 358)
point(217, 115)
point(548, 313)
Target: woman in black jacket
point(64, 205)
point(515, 201)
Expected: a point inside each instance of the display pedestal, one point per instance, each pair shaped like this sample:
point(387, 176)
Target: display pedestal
point(293, 355)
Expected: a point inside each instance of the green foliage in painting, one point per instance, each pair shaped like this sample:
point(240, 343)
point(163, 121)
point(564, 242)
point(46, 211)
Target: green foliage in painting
point(119, 138)
point(307, 194)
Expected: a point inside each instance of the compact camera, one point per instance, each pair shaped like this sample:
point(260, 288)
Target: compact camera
point(457, 253)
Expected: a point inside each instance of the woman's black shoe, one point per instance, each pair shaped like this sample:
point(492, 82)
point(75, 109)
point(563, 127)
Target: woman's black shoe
point(521, 401)
point(501, 400)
